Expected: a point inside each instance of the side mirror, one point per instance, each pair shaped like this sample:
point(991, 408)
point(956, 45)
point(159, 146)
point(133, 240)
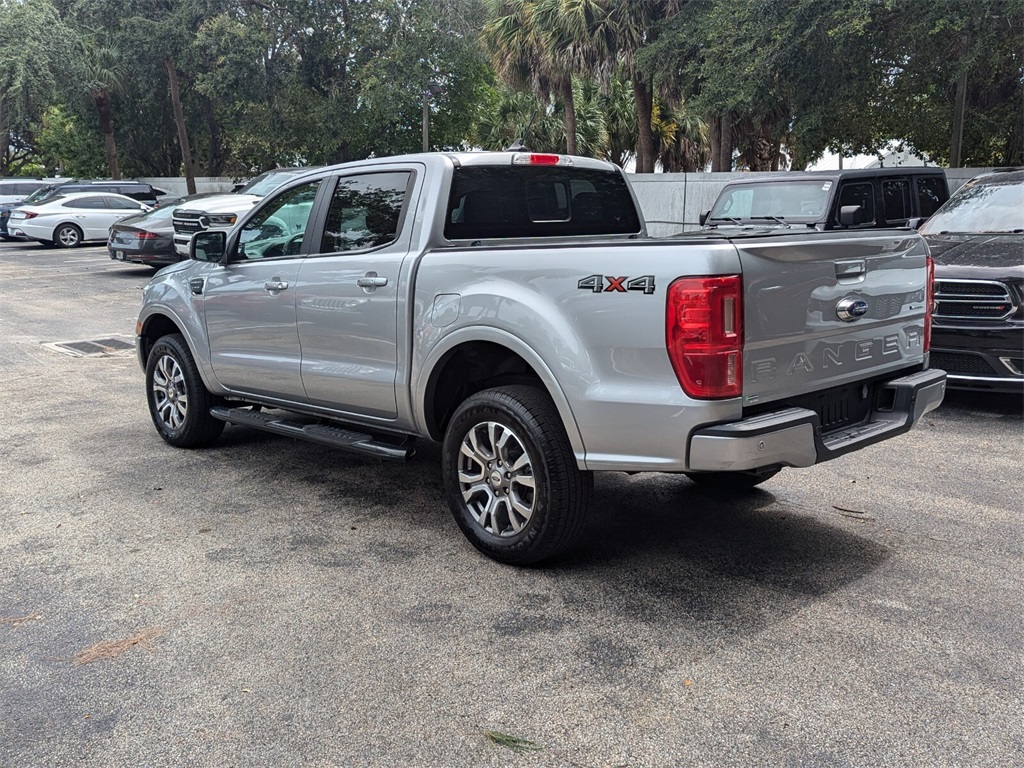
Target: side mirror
point(208, 246)
point(237, 187)
point(704, 217)
point(916, 222)
point(851, 215)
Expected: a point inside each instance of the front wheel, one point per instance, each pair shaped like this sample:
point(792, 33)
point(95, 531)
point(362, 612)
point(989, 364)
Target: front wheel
point(732, 481)
point(511, 477)
point(179, 402)
point(67, 236)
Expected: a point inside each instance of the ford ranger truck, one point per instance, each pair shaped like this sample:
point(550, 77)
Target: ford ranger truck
point(510, 307)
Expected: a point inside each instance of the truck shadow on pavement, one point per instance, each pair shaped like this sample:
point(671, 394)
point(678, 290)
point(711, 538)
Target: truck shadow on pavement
point(657, 547)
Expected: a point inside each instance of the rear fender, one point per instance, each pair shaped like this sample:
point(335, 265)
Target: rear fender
point(439, 352)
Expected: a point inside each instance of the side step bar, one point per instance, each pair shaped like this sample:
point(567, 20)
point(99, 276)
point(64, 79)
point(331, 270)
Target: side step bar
point(335, 437)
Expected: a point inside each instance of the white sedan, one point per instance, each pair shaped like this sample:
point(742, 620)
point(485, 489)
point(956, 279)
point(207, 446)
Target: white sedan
point(71, 219)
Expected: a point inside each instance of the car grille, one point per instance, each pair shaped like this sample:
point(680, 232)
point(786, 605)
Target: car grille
point(187, 222)
point(961, 362)
point(972, 300)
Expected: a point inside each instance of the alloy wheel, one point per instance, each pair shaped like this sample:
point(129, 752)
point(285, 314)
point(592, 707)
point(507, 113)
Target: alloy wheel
point(496, 479)
point(170, 398)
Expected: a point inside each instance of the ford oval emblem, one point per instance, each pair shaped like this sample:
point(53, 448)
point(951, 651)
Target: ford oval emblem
point(850, 309)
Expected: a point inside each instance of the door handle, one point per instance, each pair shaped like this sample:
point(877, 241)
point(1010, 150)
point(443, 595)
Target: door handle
point(276, 285)
point(371, 280)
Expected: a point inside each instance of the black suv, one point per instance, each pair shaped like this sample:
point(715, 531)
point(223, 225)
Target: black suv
point(859, 199)
point(977, 241)
point(137, 190)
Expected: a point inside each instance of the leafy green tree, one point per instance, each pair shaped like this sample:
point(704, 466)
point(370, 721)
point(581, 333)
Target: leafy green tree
point(35, 49)
point(67, 144)
point(954, 79)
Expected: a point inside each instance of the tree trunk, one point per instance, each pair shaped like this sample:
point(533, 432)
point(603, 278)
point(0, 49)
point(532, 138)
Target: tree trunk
point(959, 105)
point(215, 163)
point(725, 147)
point(643, 95)
point(5, 137)
point(179, 120)
point(102, 99)
point(570, 116)
point(715, 129)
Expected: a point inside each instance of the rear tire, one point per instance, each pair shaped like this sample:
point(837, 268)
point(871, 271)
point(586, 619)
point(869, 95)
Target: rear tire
point(511, 477)
point(179, 402)
point(735, 482)
point(67, 236)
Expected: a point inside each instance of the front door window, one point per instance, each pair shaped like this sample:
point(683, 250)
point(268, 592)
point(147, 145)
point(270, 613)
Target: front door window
point(279, 228)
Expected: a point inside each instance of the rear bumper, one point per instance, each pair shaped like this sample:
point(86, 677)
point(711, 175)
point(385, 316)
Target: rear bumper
point(791, 437)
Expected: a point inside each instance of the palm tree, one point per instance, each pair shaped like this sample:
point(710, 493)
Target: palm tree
point(686, 147)
point(620, 121)
point(635, 26)
point(543, 44)
point(103, 72)
point(503, 118)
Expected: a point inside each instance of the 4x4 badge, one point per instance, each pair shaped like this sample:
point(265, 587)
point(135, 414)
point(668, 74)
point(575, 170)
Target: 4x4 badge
point(850, 309)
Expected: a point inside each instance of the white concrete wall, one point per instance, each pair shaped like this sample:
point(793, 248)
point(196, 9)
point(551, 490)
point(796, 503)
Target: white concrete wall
point(176, 187)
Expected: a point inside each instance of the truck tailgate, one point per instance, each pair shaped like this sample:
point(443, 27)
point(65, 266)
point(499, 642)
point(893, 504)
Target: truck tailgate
point(825, 311)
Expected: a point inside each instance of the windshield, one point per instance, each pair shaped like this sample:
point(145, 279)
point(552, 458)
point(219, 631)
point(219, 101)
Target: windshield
point(789, 200)
point(150, 218)
point(266, 183)
point(997, 206)
point(39, 194)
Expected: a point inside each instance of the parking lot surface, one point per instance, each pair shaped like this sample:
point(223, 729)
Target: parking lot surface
point(271, 602)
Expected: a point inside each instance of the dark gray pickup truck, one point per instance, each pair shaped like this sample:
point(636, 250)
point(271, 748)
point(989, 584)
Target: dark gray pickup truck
point(511, 307)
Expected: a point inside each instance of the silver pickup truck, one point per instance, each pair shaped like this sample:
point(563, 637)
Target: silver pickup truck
point(511, 307)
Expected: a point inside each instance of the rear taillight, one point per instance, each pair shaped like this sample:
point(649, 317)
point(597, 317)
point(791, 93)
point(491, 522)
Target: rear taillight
point(29, 215)
point(147, 236)
point(704, 335)
point(929, 305)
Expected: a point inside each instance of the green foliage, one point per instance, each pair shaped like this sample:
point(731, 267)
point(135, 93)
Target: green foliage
point(67, 145)
point(34, 57)
point(319, 81)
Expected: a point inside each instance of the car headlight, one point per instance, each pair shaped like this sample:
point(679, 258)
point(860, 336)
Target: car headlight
point(222, 219)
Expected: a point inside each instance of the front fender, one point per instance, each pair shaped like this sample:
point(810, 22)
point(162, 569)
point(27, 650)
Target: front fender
point(166, 298)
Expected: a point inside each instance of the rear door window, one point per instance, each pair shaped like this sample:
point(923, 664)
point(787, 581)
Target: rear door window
point(538, 201)
point(896, 201)
point(365, 211)
point(122, 204)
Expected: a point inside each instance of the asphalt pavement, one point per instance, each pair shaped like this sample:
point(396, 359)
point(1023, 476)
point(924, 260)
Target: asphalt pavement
point(267, 602)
